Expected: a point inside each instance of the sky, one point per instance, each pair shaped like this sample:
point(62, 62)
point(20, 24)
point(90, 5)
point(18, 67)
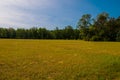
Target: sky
point(52, 13)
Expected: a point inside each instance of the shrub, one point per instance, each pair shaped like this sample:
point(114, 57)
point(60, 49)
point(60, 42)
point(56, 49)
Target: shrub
point(95, 38)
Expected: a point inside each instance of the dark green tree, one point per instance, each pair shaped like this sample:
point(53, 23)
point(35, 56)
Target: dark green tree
point(85, 21)
point(11, 33)
point(69, 32)
point(118, 36)
point(4, 33)
point(83, 24)
point(20, 33)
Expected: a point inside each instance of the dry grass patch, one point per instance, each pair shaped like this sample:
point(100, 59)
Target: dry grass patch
point(59, 60)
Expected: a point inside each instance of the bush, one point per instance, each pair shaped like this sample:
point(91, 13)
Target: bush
point(95, 38)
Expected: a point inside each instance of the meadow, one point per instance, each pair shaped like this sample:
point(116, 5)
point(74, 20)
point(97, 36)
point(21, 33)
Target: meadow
point(59, 60)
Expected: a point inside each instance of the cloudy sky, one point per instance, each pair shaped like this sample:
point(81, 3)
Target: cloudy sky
point(52, 13)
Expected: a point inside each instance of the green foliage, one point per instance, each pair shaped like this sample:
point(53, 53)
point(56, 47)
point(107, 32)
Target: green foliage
point(68, 32)
point(103, 28)
point(40, 33)
point(3, 33)
point(85, 21)
point(118, 36)
point(95, 38)
point(20, 33)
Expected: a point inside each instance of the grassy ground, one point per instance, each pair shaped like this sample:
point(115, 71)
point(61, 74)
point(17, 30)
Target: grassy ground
point(59, 60)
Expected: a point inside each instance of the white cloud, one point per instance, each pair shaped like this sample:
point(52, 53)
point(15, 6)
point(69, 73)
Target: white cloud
point(13, 13)
point(42, 13)
point(27, 3)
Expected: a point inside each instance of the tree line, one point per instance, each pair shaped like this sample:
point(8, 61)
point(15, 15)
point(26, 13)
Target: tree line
point(39, 33)
point(101, 28)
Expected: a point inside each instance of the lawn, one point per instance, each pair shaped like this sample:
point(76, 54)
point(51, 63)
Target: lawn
point(59, 60)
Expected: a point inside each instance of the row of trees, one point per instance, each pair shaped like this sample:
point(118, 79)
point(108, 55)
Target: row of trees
point(102, 28)
point(39, 33)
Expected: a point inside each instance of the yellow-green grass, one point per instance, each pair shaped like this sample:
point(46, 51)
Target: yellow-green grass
point(59, 60)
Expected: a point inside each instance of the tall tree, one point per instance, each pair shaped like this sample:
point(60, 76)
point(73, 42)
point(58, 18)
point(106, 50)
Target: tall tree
point(100, 26)
point(85, 21)
point(83, 24)
point(101, 20)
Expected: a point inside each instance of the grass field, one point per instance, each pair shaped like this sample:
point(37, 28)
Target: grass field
point(59, 60)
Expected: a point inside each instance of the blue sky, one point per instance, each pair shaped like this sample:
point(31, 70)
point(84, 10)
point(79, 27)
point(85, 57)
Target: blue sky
point(52, 13)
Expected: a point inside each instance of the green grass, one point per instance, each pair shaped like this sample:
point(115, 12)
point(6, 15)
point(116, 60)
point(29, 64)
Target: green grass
point(59, 60)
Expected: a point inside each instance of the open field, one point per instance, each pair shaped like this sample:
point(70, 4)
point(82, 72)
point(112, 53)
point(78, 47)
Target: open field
point(59, 60)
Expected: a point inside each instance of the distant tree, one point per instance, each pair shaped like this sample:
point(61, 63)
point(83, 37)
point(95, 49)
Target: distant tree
point(69, 32)
point(83, 25)
point(101, 20)
point(118, 36)
point(100, 26)
point(117, 24)
point(11, 33)
point(4, 33)
point(21, 33)
point(76, 34)
point(33, 32)
point(45, 33)
point(85, 21)
point(57, 33)
point(1, 33)
point(111, 29)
